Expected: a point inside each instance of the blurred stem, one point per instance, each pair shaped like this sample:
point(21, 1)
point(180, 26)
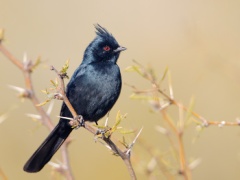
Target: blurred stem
point(184, 171)
point(61, 89)
point(4, 177)
point(10, 57)
point(65, 158)
point(26, 69)
point(169, 122)
point(162, 167)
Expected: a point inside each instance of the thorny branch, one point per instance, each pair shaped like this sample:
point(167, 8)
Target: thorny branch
point(160, 101)
point(171, 101)
point(124, 154)
point(26, 67)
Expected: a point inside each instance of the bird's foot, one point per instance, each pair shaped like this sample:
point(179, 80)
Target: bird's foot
point(77, 122)
point(81, 121)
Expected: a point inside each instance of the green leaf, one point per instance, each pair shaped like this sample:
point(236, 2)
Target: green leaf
point(124, 131)
point(190, 109)
point(64, 69)
point(54, 83)
point(36, 63)
point(134, 68)
point(164, 74)
point(45, 91)
point(118, 121)
point(124, 143)
point(43, 103)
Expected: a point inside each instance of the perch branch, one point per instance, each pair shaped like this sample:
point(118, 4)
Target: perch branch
point(125, 156)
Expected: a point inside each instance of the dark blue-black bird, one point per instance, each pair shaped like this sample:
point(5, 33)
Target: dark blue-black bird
point(93, 90)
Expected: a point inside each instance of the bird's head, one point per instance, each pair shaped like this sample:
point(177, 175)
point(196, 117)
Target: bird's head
point(103, 48)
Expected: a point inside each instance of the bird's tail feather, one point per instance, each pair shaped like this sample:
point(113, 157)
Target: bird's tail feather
point(48, 148)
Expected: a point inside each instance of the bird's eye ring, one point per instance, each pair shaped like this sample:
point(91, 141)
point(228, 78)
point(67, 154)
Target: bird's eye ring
point(106, 48)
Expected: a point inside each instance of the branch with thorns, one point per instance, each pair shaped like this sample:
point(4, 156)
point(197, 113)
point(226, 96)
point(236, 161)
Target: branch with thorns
point(149, 75)
point(159, 101)
point(105, 133)
point(27, 67)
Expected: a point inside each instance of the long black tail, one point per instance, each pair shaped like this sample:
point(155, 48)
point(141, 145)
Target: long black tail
point(49, 147)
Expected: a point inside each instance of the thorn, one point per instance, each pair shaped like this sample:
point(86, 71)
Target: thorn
point(3, 117)
point(25, 58)
point(221, 124)
point(199, 127)
point(62, 117)
point(194, 164)
point(170, 85)
point(27, 64)
point(107, 146)
point(161, 130)
point(164, 106)
point(1, 35)
point(134, 141)
point(106, 122)
point(54, 165)
point(23, 93)
point(18, 89)
point(238, 121)
point(50, 107)
point(34, 116)
point(152, 164)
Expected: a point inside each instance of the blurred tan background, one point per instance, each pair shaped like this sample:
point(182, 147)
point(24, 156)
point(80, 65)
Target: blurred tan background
point(198, 40)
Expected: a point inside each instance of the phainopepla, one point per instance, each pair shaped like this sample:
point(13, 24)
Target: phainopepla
point(93, 90)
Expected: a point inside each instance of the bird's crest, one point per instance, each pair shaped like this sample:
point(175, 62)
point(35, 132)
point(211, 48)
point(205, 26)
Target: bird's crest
point(101, 31)
point(104, 34)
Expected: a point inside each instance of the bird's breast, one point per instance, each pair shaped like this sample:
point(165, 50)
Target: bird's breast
point(94, 92)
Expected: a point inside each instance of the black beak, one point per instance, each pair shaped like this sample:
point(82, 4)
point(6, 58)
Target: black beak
point(119, 49)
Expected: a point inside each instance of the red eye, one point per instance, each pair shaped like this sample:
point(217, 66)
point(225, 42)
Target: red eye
point(106, 48)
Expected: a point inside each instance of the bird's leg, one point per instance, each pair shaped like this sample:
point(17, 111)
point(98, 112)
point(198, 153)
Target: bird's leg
point(77, 122)
point(81, 121)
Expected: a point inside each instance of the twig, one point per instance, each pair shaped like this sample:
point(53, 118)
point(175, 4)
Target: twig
point(65, 158)
point(179, 134)
point(26, 69)
point(11, 57)
point(159, 160)
point(61, 89)
point(183, 165)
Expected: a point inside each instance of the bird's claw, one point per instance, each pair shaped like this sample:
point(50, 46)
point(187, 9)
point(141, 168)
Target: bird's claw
point(79, 122)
